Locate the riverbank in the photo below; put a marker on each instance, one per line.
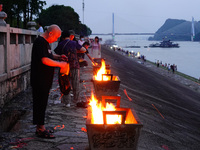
(182, 78)
(177, 76)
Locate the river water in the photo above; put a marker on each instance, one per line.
(187, 57)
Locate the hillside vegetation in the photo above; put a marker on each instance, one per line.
(177, 30)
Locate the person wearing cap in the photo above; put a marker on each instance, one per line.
(43, 63)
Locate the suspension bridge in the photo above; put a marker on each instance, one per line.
(123, 33)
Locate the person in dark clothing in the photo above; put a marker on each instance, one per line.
(42, 71)
(158, 63)
(81, 56)
(172, 67)
(66, 33)
(70, 49)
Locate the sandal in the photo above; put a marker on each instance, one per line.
(44, 134)
(50, 131)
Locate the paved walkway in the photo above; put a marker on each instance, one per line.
(69, 123)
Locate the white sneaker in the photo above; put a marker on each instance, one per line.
(68, 105)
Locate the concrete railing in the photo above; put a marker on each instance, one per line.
(15, 58)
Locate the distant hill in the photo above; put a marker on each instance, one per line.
(177, 30)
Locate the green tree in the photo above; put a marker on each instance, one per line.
(35, 7)
(84, 30)
(8, 7)
(19, 11)
(65, 17)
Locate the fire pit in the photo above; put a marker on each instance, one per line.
(103, 134)
(106, 87)
(105, 84)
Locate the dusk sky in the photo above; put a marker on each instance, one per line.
(140, 16)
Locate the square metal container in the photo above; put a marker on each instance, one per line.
(107, 88)
(123, 136)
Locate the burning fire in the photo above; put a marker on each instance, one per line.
(101, 71)
(97, 113)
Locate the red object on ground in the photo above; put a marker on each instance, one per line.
(127, 95)
(83, 129)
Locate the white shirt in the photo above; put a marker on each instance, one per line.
(40, 29)
(80, 42)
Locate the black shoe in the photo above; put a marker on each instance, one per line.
(82, 104)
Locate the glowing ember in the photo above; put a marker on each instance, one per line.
(165, 147)
(59, 127)
(127, 95)
(97, 113)
(20, 143)
(158, 111)
(83, 129)
(101, 71)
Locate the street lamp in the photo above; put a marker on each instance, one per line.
(83, 11)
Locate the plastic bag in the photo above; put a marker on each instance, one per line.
(64, 83)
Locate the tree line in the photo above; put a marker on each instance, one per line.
(20, 12)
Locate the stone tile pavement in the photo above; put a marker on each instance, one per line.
(69, 123)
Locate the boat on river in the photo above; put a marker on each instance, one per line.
(132, 46)
(165, 44)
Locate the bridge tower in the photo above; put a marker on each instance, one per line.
(83, 10)
(113, 25)
(192, 30)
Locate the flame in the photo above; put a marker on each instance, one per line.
(97, 113)
(94, 63)
(101, 71)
